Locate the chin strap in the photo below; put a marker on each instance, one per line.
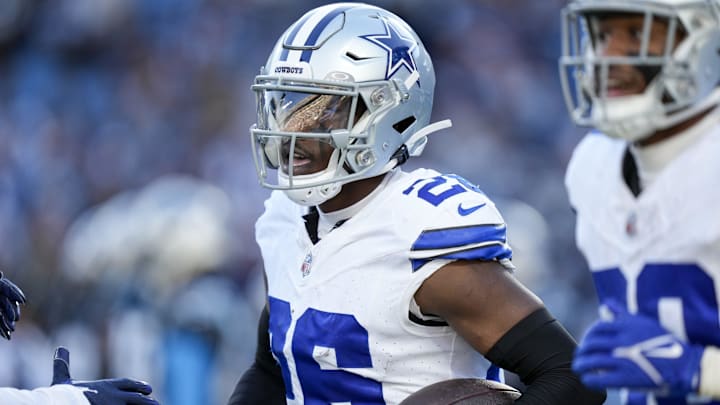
(415, 145)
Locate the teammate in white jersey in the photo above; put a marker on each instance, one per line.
(646, 189)
(380, 282)
(64, 390)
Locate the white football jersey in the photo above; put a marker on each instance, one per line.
(339, 309)
(658, 253)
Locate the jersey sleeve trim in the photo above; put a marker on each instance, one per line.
(416, 316)
(478, 242)
(459, 236)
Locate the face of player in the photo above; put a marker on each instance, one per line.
(312, 114)
(621, 35)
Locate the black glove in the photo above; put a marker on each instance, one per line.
(116, 391)
(10, 299)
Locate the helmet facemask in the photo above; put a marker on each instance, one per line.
(669, 58)
(317, 136)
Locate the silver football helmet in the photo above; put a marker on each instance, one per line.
(357, 81)
(682, 81)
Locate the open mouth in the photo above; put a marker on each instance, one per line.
(619, 87)
(623, 80)
(617, 91)
(300, 158)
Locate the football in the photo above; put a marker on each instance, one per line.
(464, 391)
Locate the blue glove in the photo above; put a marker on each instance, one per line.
(116, 391)
(635, 352)
(10, 299)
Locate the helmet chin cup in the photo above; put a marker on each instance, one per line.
(628, 117)
(315, 188)
(312, 196)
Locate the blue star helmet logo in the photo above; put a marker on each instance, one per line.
(399, 48)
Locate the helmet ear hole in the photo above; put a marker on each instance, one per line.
(402, 125)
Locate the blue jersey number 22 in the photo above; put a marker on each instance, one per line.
(332, 332)
(435, 190)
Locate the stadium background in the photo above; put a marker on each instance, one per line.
(128, 193)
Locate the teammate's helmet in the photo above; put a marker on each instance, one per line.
(349, 74)
(682, 81)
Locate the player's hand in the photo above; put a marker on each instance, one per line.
(10, 299)
(634, 351)
(116, 391)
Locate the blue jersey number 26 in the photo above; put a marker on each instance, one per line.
(340, 334)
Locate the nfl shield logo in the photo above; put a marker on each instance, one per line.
(305, 268)
(631, 225)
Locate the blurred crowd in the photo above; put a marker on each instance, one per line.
(128, 192)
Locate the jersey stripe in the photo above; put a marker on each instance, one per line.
(494, 374)
(308, 29)
(491, 251)
(315, 33)
(458, 237)
(291, 37)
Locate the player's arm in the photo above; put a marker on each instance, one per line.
(114, 391)
(636, 352)
(56, 395)
(66, 391)
(506, 322)
(262, 383)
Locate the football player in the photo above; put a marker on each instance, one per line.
(380, 281)
(64, 390)
(645, 186)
